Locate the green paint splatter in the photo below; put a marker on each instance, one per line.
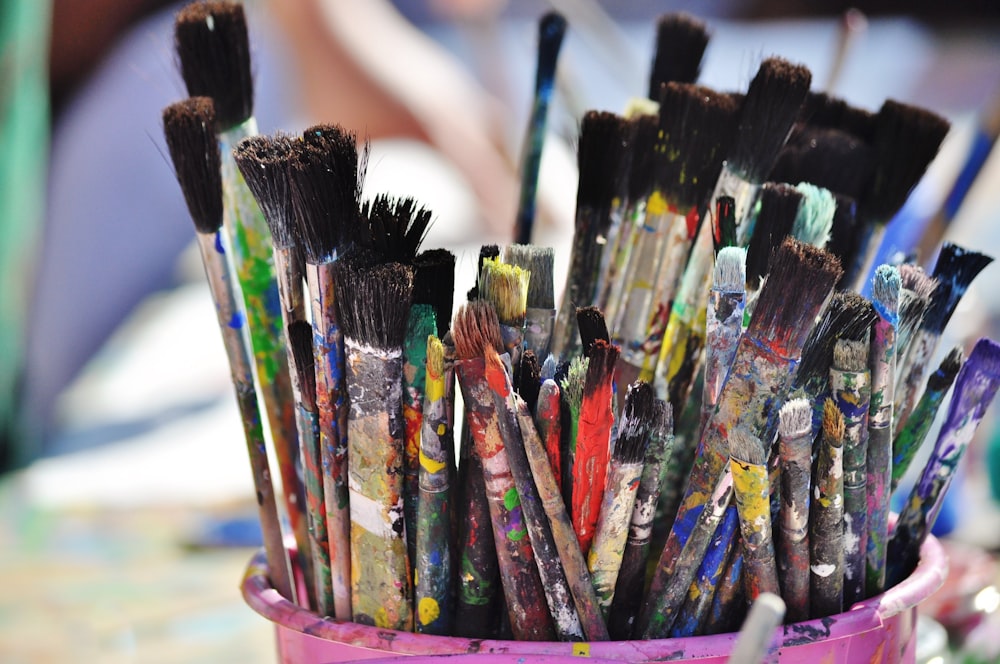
(511, 499)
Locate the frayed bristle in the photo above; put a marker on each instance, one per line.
(885, 293)
(373, 302)
(300, 339)
(571, 385)
(848, 316)
(323, 175)
(916, 280)
(189, 129)
(955, 269)
(779, 206)
(827, 158)
(539, 261)
(795, 418)
(696, 129)
(475, 330)
(942, 379)
(506, 287)
(769, 110)
(485, 251)
(642, 156)
(730, 270)
(214, 54)
(907, 139)
(263, 162)
(592, 326)
(815, 216)
(680, 45)
(434, 284)
(396, 227)
(529, 379)
(849, 355)
(601, 160)
(746, 447)
(638, 416)
(833, 424)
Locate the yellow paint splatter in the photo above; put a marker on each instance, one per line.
(656, 204)
(428, 610)
(382, 618)
(429, 464)
(581, 650)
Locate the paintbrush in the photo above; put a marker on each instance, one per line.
(434, 284)
(906, 140)
(752, 491)
(767, 114)
(551, 29)
(540, 310)
(882, 364)
(214, 55)
(850, 387)
(600, 158)
(766, 356)
(394, 228)
(729, 603)
(724, 324)
(434, 588)
(592, 325)
(624, 473)
(914, 302)
(632, 573)
(826, 516)
(558, 596)
(975, 388)
(724, 224)
(572, 559)
(681, 40)
(476, 330)
(795, 435)
(955, 269)
(826, 157)
(506, 288)
(844, 233)
(753, 642)
(823, 110)
(909, 438)
(485, 251)
(189, 130)
(548, 421)
(571, 382)
(779, 206)
(373, 304)
(323, 174)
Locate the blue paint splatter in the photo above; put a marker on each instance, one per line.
(236, 321)
(218, 242)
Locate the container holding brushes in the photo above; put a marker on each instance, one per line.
(622, 488)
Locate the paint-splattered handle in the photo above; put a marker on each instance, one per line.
(752, 491)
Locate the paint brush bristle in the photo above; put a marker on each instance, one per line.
(946, 372)
(642, 146)
(885, 293)
(638, 415)
(906, 140)
(955, 269)
(300, 338)
(592, 326)
(601, 362)
(263, 161)
(851, 355)
(769, 110)
(680, 44)
(529, 379)
(549, 367)
(844, 232)
(396, 227)
(601, 158)
(571, 385)
(475, 329)
(779, 206)
(485, 251)
(323, 176)
(189, 128)
(815, 216)
(795, 418)
(848, 316)
(434, 284)
(214, 54)
(506, 287)
(730, 270)
(828, 158)
(833, 423)
(539, 261)
(746, 447)
(373, 302)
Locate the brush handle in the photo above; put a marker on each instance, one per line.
(793, 544)
(610, 298)
(882, 360)
(590, 459)
(752, 490)
(729, 605)
(585, 256)
(548, 421)
(826, 538)
(605, 557)
(911, 436)
(911, 373)
(328, 353)
(724, 325)
(231, 324)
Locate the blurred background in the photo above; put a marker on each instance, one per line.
(124, 472)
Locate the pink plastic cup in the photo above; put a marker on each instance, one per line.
(881, 630)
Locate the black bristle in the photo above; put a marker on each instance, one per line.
(769, 110)
(263, 161)
(844, 232)
(373, 302)
(601, 160)
(724, 223)
(849, 316)
(680, 45)
(476, 328)
(827, 158)
(945, 374)
(602, 357)
(906, 140)
(323, 176)
(798, 285)
(529, 379)
(539, 261)
(826, 111)
(641, 156)
(434, 284)
(638, 417)
(485, 251)
(300, 339)
(189, 128)
(779, 204)
(396, 227)
(954, 270)
(592, 327)
(214, 54)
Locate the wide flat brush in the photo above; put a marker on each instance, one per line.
(189, 130)
(214, 55)
(434, 284)
(681, 40)
(551, 29)
(506, 288)
(830, 158)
